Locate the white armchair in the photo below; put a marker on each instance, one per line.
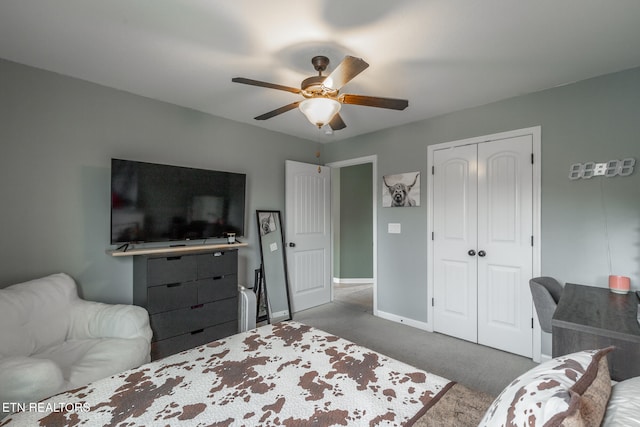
(52, 341)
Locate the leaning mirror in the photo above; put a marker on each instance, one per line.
(274, 265)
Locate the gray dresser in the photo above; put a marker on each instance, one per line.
(191, 298)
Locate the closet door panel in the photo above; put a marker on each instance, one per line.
(505, 227)
(455, 271)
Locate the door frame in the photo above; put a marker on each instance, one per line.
(536, 134)
(373, 159)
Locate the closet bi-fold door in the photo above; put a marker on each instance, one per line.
(482, 243)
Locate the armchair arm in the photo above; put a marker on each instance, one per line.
(28, 379)
(98, 320)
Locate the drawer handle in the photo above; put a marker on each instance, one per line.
(173, 258)
(199, 331)
(174, 285)
(218, 253)
(218, 277)
(194, 307)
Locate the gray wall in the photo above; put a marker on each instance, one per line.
(58, 135)
(594, 120)
(356, 222)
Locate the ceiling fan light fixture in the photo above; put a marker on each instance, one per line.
(319, 111)
(322, 98)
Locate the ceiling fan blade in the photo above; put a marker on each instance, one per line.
(278, 111)
(337, 123)
(264, 84)
(374, 101)
(344, 72)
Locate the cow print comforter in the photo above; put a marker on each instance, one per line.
(286, 374)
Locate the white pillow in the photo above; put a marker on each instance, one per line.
(552, 392)
(623, 409)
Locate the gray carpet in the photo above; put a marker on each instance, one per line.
(475, 366)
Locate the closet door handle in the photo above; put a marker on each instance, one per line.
(471, 252)
(482, 253)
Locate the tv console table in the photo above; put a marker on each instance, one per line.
(173, 249)
(190, 292)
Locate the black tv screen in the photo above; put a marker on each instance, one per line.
(157, 203)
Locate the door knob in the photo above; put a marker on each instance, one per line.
(292, 245)
(471, 252)
(482, 253)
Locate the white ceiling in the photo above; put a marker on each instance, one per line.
(441, 55)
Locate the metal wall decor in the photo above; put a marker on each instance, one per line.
(608, 169)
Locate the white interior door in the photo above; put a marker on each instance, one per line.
(308, 233)
(505, 230)
(454, 215)
(482, 243)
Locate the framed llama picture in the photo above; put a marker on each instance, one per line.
(401, 190)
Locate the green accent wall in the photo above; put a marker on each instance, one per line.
(356, 222)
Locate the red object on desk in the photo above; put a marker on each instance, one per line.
(619, 284)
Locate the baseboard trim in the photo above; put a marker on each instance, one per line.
(545, 358)
(398, 319)
(352, 281)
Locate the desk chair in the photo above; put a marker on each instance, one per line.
(546, 292)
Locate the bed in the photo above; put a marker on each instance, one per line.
(285, 374)
(291, 374)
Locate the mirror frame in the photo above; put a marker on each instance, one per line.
(273, 224)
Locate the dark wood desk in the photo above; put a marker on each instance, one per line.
(588, 317)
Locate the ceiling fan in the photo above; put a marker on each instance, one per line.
(322, 99)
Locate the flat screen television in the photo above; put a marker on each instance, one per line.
(160, 203)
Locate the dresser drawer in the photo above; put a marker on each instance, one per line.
(170, 297)
(163, 348)
(217, 264)
(162, 271)
(176, 322)
(217, 288)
